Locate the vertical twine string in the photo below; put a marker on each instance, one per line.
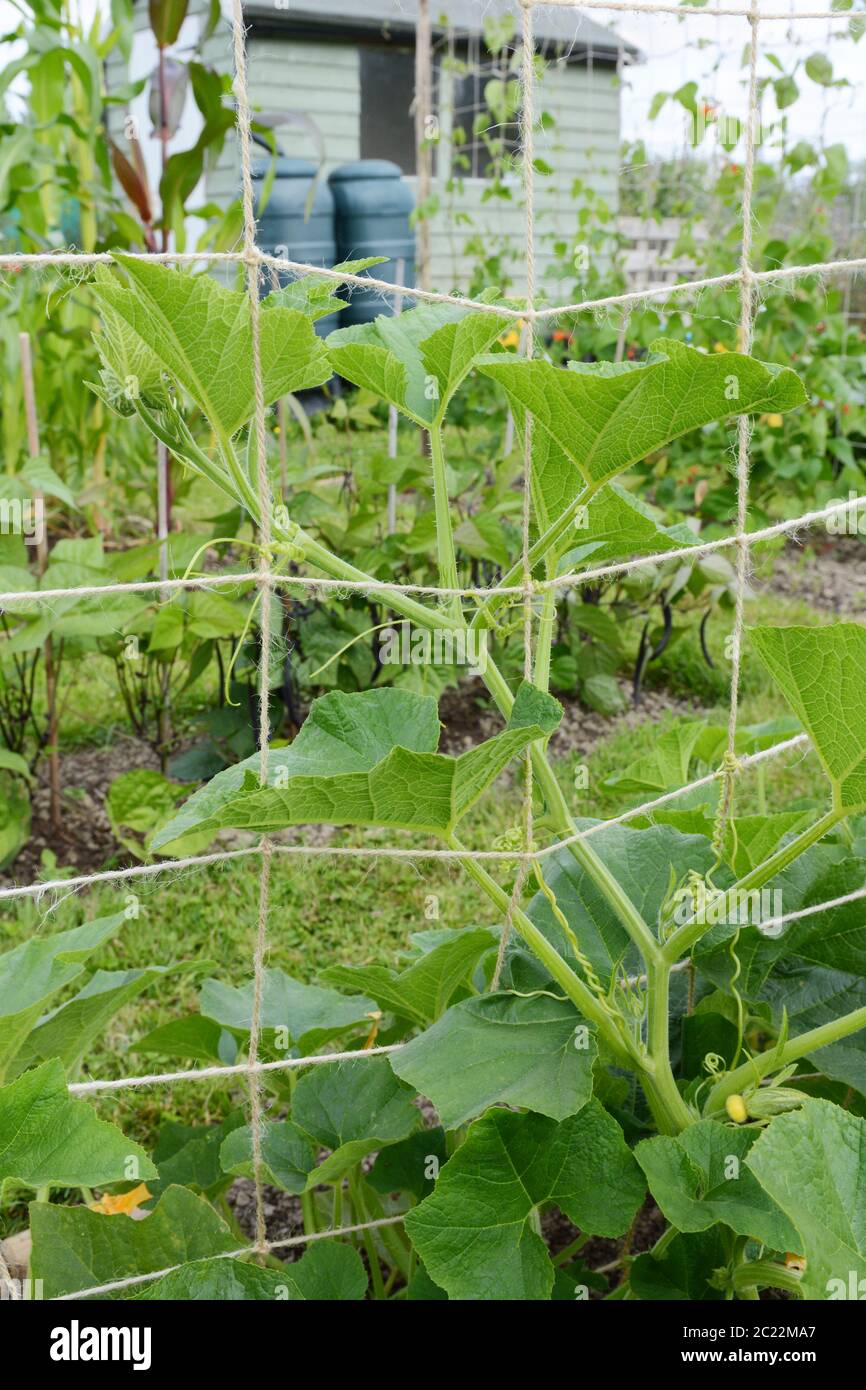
(744, 431)
(264, 494)
(527, 119)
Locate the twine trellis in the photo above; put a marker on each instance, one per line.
(532, 315)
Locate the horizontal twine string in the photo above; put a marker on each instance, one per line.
(724, 11)
(570, 580)
(23, 259)
(197, 861)
(158, 1078)
(766, 926)
(260, 1247)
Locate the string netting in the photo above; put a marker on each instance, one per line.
(529, 593)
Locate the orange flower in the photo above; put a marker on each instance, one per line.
(123, 1203)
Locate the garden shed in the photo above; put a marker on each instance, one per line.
(343, 74)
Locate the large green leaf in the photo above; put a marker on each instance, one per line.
(70, 1030)
(219, 1281)
(75, 1248)
(416, 360)
(809, 997)
(46, 1139)
(700, 1178)
(130, 369)
(352, 1108)
(683, 1271)
(368, 759)
(327, 1272)
(195, 1037)
(411, 1165)
(666, 766)
(615, 523)
(287, 1154)
(603, 417)
(32, 972)
(835, 939)
(201, 333)
(475, 1233)
(310, 1015)
(506, 1048)
(810, 1162)
(424, 990)
(189, 1155)
(821, 671)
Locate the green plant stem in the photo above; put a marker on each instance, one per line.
(308, 1212)
(485, 615)
(392, 1237)
(570, 1250)
(579, 850)
(579, 994)
(546, 623)
(671, 1112)
(367, 1237)
(682, 940)
(764, 1274)
(757, 1067)
(444, 533)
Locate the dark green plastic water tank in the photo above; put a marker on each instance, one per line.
(289, 228)
(372, 204)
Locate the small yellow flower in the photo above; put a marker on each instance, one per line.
(719, 347)
(774, 421)
(512, 337)
(123, 1203)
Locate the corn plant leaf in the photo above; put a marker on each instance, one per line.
(287, 1154)
(502, 1048)
(327, 1272)
(31, 973)
(201, 333)
(75, 1248)
(368, 759)
(48, 1139)
(603, 417)
(700, 1178)
(810, 1163)
(508, 1165)
(417, 360)
(821, 671)
(424, 990)
(310, 1015)
(70, 1030)
(352, 1108)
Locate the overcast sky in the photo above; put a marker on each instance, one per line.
(709, 50)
